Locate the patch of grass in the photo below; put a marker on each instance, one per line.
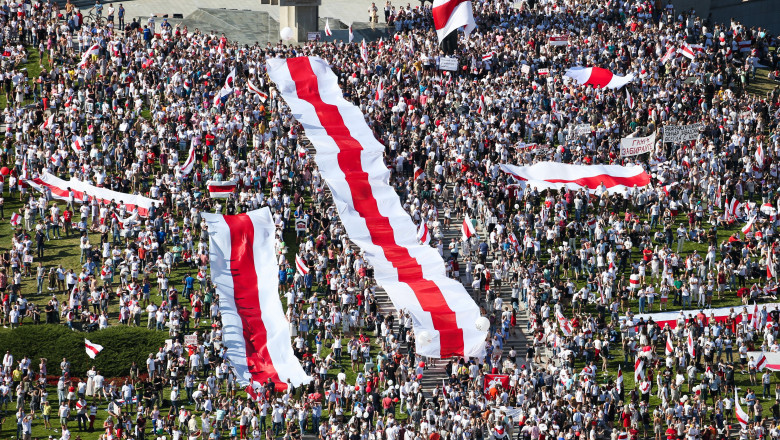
(762, 85)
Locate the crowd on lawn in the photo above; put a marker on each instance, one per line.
(147, 98)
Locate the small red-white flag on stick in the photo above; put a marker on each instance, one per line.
(92, 348)
(351, 35)
(629, 99)
(691, 346)
(669, 347)
(327, 28)
(364, 51)
(15, 219)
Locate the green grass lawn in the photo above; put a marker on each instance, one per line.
(762, 85)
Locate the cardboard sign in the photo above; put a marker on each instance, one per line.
(300, 225)
(448, 63)
(634, 146)
(682, 133)
(190, 339)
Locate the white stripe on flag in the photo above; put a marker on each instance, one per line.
(255, 329)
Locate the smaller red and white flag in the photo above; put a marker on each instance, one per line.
(691, 346)
(301, 265)
(669, 347)
(92, 348)
(327, 28)
(221, 190)
(686, 51)
(186, 167)
(15, 219)
(364, 51)
(380, 91)
(760, 156)
(487, 57)
(639, 369)
(94, 50)
(742, 416)
(78, 144)
(645, 386)
(563, 323)
(423, 235)
(619, 381)
(749, 226)
(351, 35)
(629, 99)
(732, 207)
(754, 320)
(467, 229)
(256, 90)
(418, 173)
(771, 264)
(668, 55)
(48, 123)
(761, 362)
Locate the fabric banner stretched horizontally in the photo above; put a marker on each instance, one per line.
(221, 190)
(351, 161)
(720, 314)
(255, 329)
(552, 175)
(59, 191)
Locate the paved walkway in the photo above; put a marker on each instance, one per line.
(248, 21)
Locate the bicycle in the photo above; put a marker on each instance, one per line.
(96, 19)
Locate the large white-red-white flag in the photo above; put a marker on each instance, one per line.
(351, 161)
(598, 77)
(254, 327)
(221, 190)
(450, 15)
(614, 179)
(92, 348)
(58, 189)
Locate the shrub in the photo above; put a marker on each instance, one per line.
(121, 346)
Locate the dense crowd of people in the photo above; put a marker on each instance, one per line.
(147, 97)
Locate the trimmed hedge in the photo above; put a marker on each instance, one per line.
(121, 346)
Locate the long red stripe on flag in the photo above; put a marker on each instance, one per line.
(349, 159)
(92, 349)
(600, 77)
(247, 300)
